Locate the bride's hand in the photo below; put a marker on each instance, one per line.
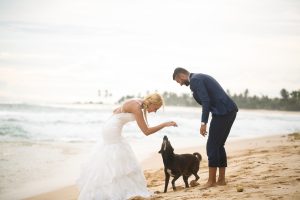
(171, 123)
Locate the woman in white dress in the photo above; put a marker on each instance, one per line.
(113, 172)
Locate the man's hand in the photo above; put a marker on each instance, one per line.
(203, 130)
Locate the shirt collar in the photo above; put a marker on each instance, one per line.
(189, 77)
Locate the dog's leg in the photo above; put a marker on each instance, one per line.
(196, 176)
(185, 179)
(167, 178)
(173, 182)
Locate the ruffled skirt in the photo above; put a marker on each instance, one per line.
(112, 173)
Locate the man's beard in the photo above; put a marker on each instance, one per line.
(187, 83)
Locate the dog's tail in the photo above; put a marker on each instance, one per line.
(199, 157)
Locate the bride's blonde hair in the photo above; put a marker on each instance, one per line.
(153, 98)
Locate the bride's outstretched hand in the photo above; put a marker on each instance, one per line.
(171, 123)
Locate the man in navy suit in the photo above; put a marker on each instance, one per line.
(209, 93)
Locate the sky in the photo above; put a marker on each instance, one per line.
(69, 50)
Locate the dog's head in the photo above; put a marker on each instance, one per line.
(166, 147)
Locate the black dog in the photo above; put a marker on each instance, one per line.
(177, 165)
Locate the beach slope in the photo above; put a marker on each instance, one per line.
(259, 168)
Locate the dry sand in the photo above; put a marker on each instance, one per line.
(260, 168)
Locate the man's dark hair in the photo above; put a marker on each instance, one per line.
(179, 70)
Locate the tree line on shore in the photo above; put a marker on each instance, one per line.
(288, 101)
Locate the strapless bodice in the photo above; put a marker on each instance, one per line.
(111, 131)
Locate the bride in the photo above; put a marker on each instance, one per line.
(112, 172)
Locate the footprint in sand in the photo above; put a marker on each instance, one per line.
(205, 194)
(254, 186)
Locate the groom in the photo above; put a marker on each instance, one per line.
(209, 93)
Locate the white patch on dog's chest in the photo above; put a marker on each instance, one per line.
(170, 172)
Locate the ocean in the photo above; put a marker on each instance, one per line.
(43, 146)
(80, 123)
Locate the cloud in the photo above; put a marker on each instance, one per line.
(73, 48)
(2, 84)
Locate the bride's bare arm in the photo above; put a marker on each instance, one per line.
(137, 111)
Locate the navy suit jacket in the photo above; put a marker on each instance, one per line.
(209, 93)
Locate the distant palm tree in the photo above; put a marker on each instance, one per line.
(284, 94)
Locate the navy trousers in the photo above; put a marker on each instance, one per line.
(219, 129)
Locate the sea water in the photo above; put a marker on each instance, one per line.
(83, 122)
(44, 145)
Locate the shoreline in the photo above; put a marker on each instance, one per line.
(257, 163)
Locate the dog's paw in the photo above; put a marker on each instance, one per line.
(194, 183)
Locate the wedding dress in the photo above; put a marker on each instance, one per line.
(112, 172)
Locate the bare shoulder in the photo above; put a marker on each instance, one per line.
(132, 105)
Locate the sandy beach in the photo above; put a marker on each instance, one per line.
(259, 168)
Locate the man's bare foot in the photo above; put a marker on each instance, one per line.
(221, 182)
(209, 184)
